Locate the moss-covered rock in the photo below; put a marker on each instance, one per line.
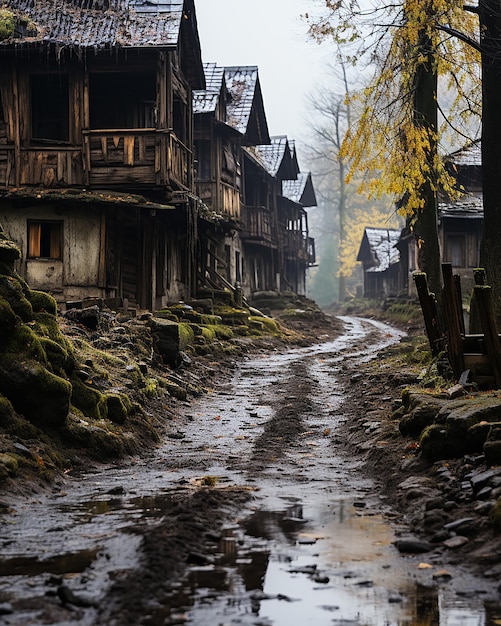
(495, 516)
(170, 339)
(118, 407)
(91, 402)
(99, 442)
(8, 318)
(12, 291)
(42, 302)
(7, 24)
(40, 396)
(437, 442)
(9, 463)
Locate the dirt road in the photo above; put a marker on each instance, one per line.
(248, 513)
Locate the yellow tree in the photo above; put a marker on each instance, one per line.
(397, 135)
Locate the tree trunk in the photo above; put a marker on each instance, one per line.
(426, 117)
(342, 224)
(490, 252)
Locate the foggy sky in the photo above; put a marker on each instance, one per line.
(271, 35)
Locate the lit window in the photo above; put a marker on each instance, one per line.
(44, 240)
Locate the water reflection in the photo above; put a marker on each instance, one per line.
(346, 572)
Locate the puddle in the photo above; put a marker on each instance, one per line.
(317, 549)
(343, 569)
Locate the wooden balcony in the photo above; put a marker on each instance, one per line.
(140, 156)
(46, 166)
(220, 197)
(118, 158)
(258, 225)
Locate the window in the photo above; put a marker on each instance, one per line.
(44, 240)
(202, 149)
(122, 100)
(50, 107)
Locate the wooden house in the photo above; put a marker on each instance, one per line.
(298, 248)
(265, 167)
(380, 260)
(96, 137)
(460, 222)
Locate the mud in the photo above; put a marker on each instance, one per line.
(257, 508)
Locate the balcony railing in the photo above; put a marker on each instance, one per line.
(220, 197)
(116, 158)
(258, 224)
(46, 166)
(141, 156)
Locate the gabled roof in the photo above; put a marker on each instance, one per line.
(205, 100)
(300, 190)
(379, 245)
(245, 109)
(277, 158)
(104, 24)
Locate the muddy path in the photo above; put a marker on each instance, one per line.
(248, 513)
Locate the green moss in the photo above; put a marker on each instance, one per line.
(101, 443)
(223, 332)
(209, 332)
(23, 342)
(37, 394)
(8, 318)
(12, 290)
(42, 302)
(118, 407)
(186, 335)
(10, 463)
(91, 402)
(7, 24)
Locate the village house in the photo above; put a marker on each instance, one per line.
(380, 261)
(130, 171)
(229, 114)
(96, 134)
(460, 222)
(298, 247)
(256, 231)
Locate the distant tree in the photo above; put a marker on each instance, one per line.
(409, 46)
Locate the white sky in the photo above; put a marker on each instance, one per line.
(271, 35)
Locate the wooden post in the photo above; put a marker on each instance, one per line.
(479, 276)
(429, 309)
(491, 338)
(452, 320)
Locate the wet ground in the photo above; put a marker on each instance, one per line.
(298, 534)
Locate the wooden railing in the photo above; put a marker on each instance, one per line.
(141, 156)
(258, 224)
(220, 197)
(116, 158)
(48, 166)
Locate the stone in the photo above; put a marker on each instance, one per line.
(455, 542)
(413, 546)
(462, 523)
(170, 339)
(480, 480)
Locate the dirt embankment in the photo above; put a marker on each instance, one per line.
(450, 506)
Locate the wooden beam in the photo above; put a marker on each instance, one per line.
(452, 317)
(483, 296)
(429, 309)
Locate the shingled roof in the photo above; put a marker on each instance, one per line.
(205, 100)
(277, 158)
(380, 244)
(105, 24)
(300, 190)
(245, 109)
